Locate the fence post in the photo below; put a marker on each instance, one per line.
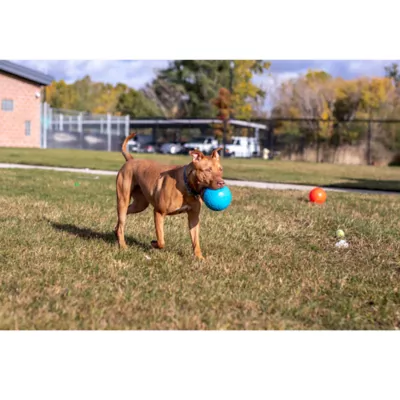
(80, 117)
(61, 117)
(108, 131)
(369, 152)
(257, 146)
(271, 140)
(50, 113)
(126, 125)
(80, 130)
(44, 138)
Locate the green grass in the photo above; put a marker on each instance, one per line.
(366, 177)
(271, 261)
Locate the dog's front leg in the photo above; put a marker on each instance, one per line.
(194, 228)
(159, 223)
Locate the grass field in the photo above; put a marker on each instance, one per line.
(365, 177)
(271, 261)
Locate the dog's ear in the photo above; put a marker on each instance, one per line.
(215, 153)
(197, 155)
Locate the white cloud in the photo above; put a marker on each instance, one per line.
(370, 68)
(133, 73)
(343, 68)
(136, 73)
(139, 72)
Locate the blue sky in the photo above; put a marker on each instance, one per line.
(138, 73)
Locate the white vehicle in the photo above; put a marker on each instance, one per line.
(242, 146)
(205, 144)
(171, 148)
(138, 143)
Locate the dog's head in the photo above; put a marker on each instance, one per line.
(207, 169)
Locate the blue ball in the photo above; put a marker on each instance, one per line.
(217, 200)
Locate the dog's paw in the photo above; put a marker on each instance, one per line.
(155, 245)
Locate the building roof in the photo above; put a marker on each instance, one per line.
(175, 123)
(24, 72)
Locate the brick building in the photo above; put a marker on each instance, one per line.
(20, 103)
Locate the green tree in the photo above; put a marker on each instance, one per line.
(200, 80)
(100, 98)
(107, 100)
(392, 71)
(168, 97)
(136, 105)
(59, 95)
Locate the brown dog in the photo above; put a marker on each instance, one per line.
(171, 190)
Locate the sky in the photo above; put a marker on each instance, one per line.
(137, 73)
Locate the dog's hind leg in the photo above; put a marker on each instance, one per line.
(124, 188)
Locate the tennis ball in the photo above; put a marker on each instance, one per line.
(339, 233)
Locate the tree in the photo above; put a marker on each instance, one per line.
(246, 94)
(310, 97)
(223, 104)
(392, 72)
(136, 105)
(100, 98)
(200, 80)
(60, 95)
(169, 98)
(107, 100)
(338, 102)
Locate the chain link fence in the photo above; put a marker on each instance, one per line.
(76, 130)
(356, 142)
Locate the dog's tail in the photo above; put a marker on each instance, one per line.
(124, 151)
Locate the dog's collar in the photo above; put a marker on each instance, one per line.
(188, 188)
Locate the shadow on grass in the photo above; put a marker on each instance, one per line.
(89, 234)
(368, 184)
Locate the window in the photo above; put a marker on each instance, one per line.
(27, 128)
(7, 105)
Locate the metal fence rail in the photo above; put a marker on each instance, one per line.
(344, 142)
(78, 130)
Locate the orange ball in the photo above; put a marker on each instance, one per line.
(317, 195)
